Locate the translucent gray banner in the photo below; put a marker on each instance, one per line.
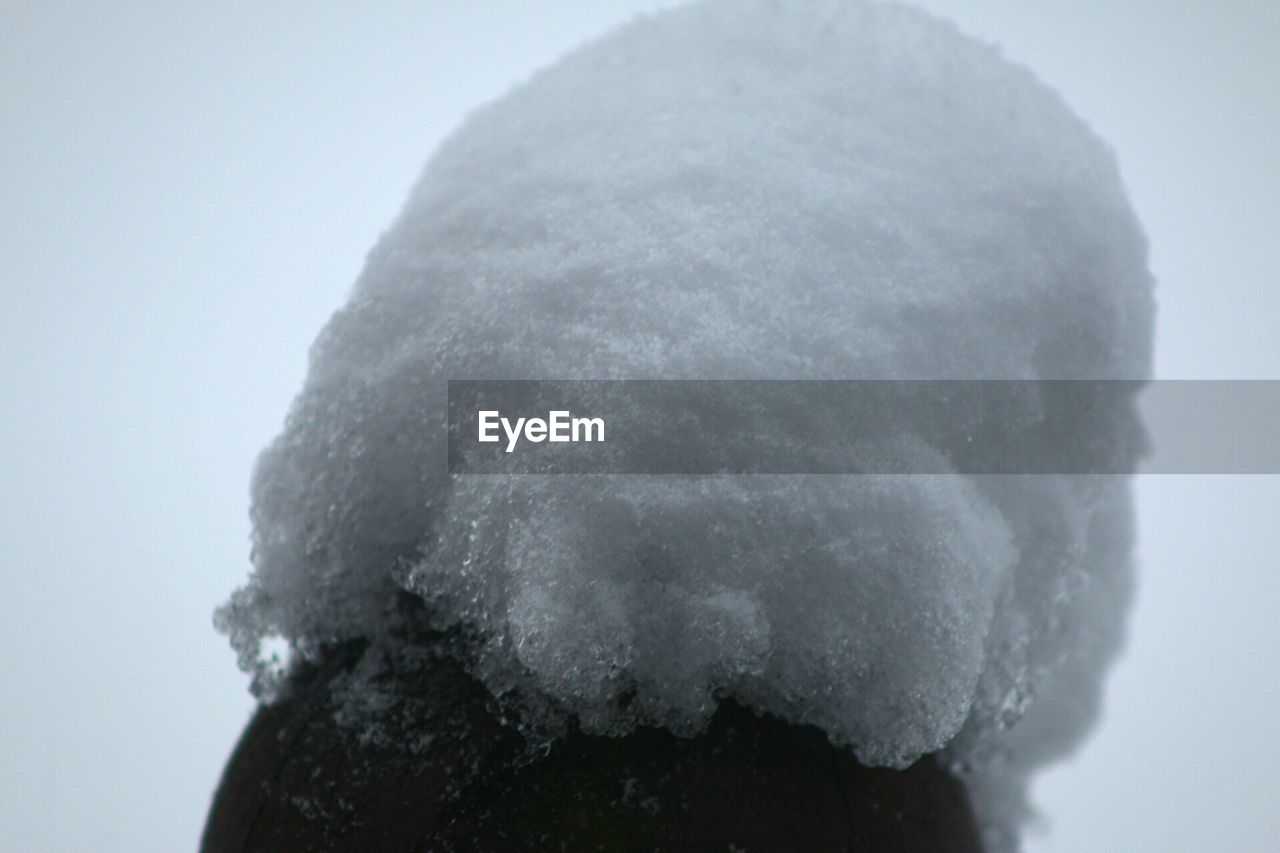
(974, 427)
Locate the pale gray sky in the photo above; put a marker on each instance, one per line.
(189, 191)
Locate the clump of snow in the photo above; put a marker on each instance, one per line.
(749, 190)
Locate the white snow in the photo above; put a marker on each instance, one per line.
(734, 190)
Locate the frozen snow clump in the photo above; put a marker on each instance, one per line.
(821, 189)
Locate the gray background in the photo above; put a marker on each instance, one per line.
(186, 194)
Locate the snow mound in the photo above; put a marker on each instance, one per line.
(733, 190)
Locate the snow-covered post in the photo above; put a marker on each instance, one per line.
(802, 189)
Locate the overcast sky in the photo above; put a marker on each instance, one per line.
(187, 191)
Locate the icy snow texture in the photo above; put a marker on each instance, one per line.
(734, 190)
